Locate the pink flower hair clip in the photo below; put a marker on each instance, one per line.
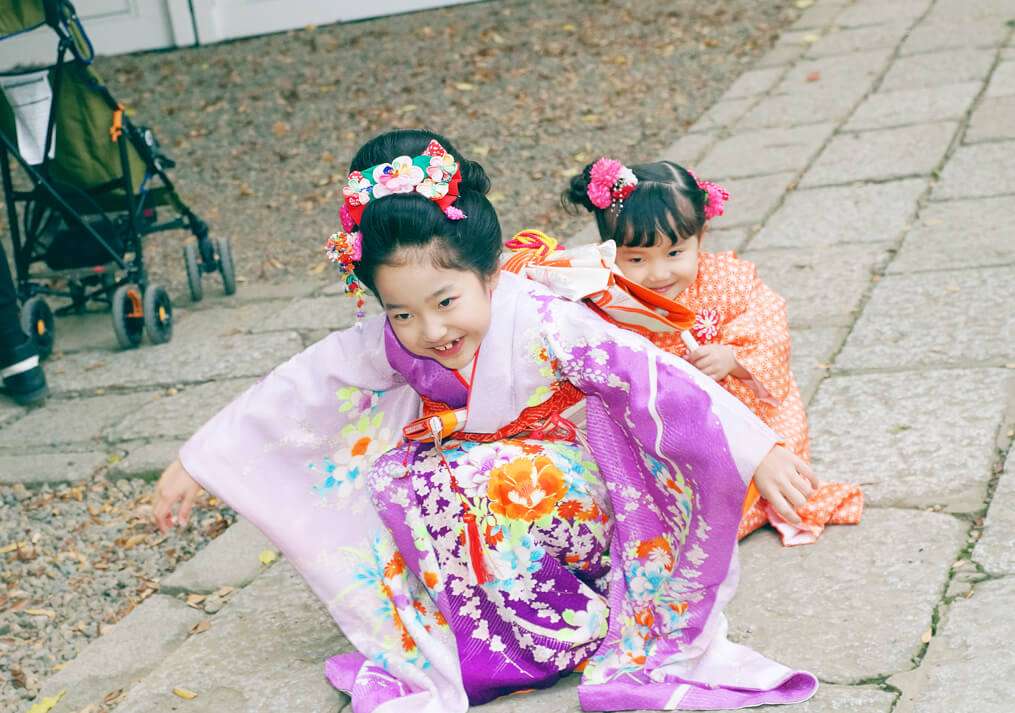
(715, 196)
(610, 182)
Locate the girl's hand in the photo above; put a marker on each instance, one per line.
(175, 485)
(785, 481)
(715, 360)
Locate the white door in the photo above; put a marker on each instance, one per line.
(218, 20)
(114, 26)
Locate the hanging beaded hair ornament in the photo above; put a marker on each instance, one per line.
(434, 175)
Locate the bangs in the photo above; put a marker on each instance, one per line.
(650, 212)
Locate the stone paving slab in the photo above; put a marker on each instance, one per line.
(722, 113)
(39, 468)
(230, 560)
(881, 155)
(854, 605)
(10, 411)
(936, 68)
(754, 82)
(848, 39)
(839, 699)
(859, 69)
(716, 241)
(819, 15)
(687, 150)
(209, 324)
(1002, 81)
(781, 56)
(924, 319)
(62, 423)
(274, 634)
(913, 439)
(822, 285)
(175, 363)
(995, 551)
(969, 662)
(751, 199)
(859, 213)
(993, 120)
(978, 170)
(871, 12)
(959, 234)
(144, 460)
(330, 312)
(914, 106)
(811, 354)
(827, 102)
(124, 654)
(178, 416)
(934, 36)
(755, 153)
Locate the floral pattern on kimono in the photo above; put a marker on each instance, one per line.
(616, 546)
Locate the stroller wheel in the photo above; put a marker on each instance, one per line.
(128, 316)
(193, 272)
(158, 314)
(226, 267)
(37, 323)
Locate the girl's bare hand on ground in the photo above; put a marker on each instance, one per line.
(175, 486)
(785, 481)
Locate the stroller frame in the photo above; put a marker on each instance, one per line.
(46, 205)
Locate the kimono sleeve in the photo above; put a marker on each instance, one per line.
(760, 338)
(295, 447)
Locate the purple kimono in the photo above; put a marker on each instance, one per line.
(472, 568)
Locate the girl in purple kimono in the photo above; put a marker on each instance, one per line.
(488, 485)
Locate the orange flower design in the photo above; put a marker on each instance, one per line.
(526, 489)
(656, 548)
(395, 566)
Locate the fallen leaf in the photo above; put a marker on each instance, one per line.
(200, 627)
(48, 613)
(280, 128)
(135, 540)
(804, 4)
(224, 591)
(927, 636)
(464, 86)
(46, 704)
(113, 696)
(194, 599)
(184, 694)
(268, 556)
(813, 76)
(11, 547)
(810, 38)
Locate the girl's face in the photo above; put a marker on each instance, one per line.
(436, 312)
(668, 268)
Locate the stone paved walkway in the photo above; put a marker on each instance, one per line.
(871, 158)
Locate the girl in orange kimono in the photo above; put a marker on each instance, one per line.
(656, 214)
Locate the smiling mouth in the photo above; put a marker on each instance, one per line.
(450, 348)
(664, 289)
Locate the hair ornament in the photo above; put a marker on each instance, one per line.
(434, 175)
(345, 249)
(610, 182)
(715, 196)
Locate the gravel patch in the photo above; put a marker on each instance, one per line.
(74, 560)
(263, 129)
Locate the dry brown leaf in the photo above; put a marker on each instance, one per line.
(280, 128)
(927, 636)
(113, 696)
(185, 694)
(200, 627)
(48, 613)
(194, 599)
(224, 591)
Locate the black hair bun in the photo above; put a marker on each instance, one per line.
(474, 177)
(577, 192)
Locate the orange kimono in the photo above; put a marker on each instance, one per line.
(733, 306)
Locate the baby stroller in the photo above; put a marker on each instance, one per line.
(96, 183)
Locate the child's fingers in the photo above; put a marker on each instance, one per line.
(185, 507)
(802, 484)
(787, 512)
(163, 513)
(805, 470)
